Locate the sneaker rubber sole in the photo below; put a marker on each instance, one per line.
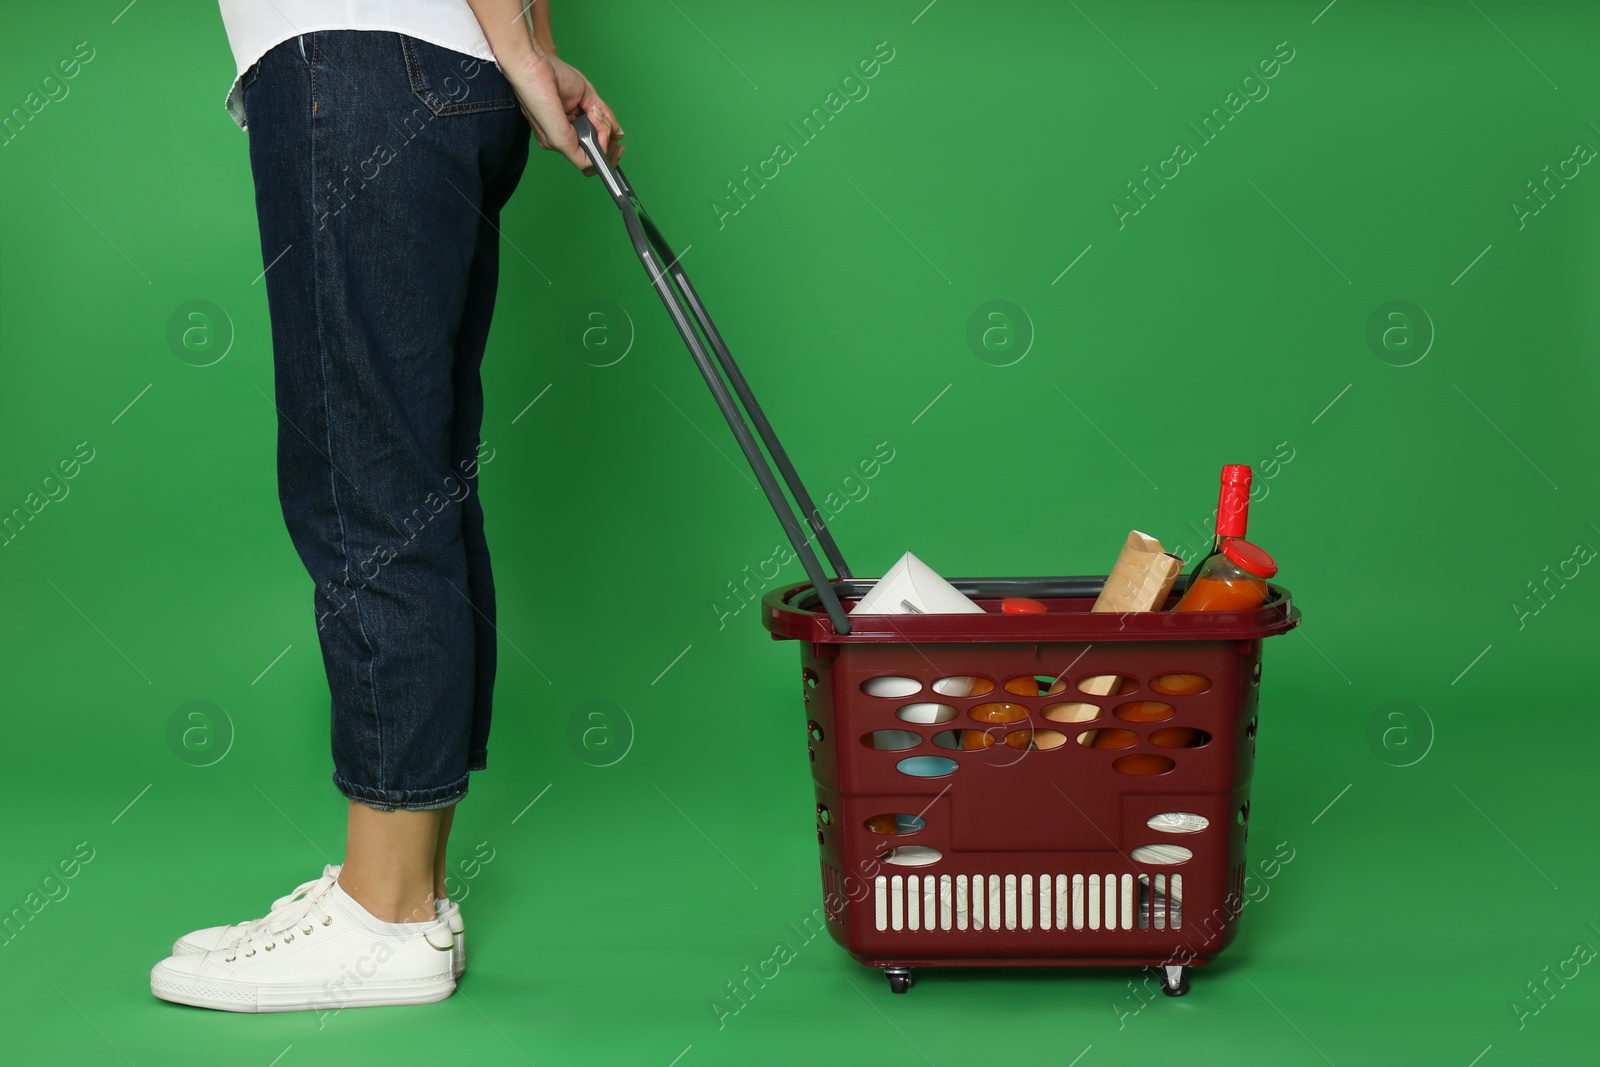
(248, 997)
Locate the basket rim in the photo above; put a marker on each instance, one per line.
(794, 612)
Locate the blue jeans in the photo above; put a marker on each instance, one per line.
(381, 164)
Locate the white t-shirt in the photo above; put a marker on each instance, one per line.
(255, 26)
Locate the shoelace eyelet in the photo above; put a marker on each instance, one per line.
(287, 938)
(327, 920)
(228, 959)
(270, 945)
(252, 952)
(306, 931)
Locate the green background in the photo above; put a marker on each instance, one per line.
(1226, 322)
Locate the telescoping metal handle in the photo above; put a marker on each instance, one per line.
(684, 305)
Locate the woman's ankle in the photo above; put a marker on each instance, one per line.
(388, 902)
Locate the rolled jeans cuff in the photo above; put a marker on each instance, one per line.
(404, 799)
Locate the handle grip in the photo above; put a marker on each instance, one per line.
(589, 138)
(699, 333)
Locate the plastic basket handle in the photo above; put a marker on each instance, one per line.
(683, 304)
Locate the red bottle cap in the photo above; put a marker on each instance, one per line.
(1021, 605)
(1233, 510)
(1249, 558)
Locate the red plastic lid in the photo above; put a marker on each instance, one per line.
(1021, 605)
(1233, 513)
(1249, 557)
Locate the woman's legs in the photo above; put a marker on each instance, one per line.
(394, 861)
(447, 816)
(381, 165)
(390, 861)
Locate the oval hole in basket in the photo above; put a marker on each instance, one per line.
(891, 686)
(1070, 712)
(912, 856)
(1144, 711)
(1108, 738)
(891, 740)
(897, 823)
(1178, 822)
(927, 766)
(1032, 685)
(1155, 854)
(926, 714)
(966, 740)
(963, 686)
(1179, 737)
(824, 816)
(1142, 763)
(1001, 713)
(1036, 739)
(1107, 684)
(1180, 685)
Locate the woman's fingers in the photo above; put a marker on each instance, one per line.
(608, 128)
(538, 134)
(602, 115)
(566, 142)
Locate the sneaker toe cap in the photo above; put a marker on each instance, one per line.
(200, 941)
(187, 965)
(185, 980)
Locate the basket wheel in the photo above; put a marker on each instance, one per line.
(1174, 981)
(900, 978)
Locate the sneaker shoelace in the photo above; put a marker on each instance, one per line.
(301, 913)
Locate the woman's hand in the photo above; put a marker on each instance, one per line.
(552, 93)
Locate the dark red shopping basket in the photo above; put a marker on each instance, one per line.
(964, 816)
(1061, 789)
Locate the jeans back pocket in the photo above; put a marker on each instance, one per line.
(454, 83)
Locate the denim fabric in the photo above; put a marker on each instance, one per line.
(381, 163)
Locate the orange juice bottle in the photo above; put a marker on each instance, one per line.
(1234, 579)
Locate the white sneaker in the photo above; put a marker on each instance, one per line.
(320, 951)
(201, 941)
(450, 911)
(214, 936)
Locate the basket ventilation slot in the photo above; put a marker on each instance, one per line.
(1041, 902)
